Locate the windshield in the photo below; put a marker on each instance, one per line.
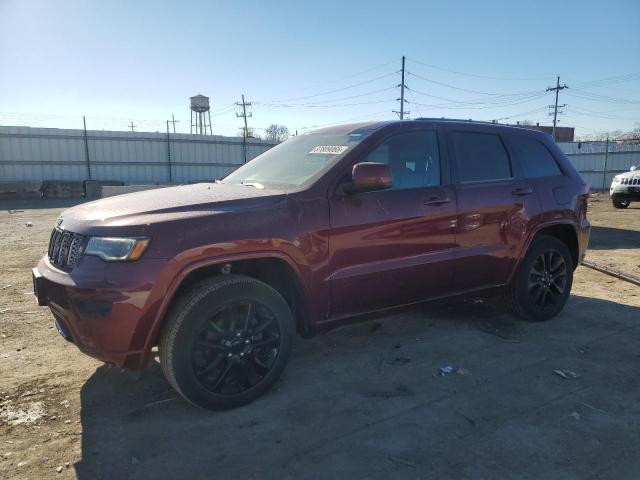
(297, 162)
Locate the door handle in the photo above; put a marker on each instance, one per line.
(436, 201)
(520, 192)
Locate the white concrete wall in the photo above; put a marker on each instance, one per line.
(131, 157)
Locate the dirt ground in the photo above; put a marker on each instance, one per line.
(615, 235)
(365, 401)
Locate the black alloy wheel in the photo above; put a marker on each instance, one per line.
(226, 341)
(547, 278)
(237, 347)
(541, 285)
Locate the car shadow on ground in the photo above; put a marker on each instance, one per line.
(606, 238)
(367, 400)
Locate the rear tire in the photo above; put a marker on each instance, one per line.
(542, 284)
(620, 203)
(226, 341)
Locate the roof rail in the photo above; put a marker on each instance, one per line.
(469, 120)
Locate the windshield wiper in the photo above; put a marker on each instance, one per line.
(257, 185)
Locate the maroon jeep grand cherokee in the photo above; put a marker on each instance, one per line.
(323, 227)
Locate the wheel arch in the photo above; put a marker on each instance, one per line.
(563, 231)
(567, 234)
(275, 269)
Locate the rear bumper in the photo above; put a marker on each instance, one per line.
(105, 309)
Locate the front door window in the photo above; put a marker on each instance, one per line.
(413, 158)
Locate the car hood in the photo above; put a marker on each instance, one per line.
(143, 209)
(629, 174)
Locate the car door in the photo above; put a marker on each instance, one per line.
(554, 189)
(494, 207)
(395, 246)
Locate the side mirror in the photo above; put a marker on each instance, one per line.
(369, 176)
(633, 168)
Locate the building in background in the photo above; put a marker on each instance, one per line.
(563, 134)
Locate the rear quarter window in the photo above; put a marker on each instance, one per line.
(534, 158)
(480, 157)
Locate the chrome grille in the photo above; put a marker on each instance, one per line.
(65, 248)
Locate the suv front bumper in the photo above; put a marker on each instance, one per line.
(106, 309)
(625, 192)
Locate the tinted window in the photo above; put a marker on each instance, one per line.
(535, 160)
(413, 159)
(480, 156)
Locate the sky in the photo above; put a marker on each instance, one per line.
(308, 64)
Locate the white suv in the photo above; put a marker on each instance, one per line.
(625, 188)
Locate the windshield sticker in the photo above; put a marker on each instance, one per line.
(330, 149)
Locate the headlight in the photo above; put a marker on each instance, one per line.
(112, 249)
(616, 179)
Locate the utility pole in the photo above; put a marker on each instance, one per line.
(604, 170)
(86, 147)
(557, 89)
(169, 155)
(132, 126)
(174, 121)
(401, 99)
(244, 115)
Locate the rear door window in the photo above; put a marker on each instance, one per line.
(534, 158)
(481, 157)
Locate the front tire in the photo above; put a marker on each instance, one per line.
(620, 203)
(542, 284)
(226, 341)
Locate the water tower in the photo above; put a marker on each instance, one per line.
(200, 107)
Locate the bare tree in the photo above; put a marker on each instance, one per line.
(632, 136)
(251, 133)
(276, 133)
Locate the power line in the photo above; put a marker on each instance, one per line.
(225, 111)
(223, 108)
(313, 105)
(521, 114)
(321, 102)
(609, 80)
(557, 89)
(351, 119)
(332, 91)
(450, 86)
(353, 74)
(555, 110)
(581, 112)
(601, 98)
(473, 74)
(488, 106)
(413, 101)
(494, 102)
